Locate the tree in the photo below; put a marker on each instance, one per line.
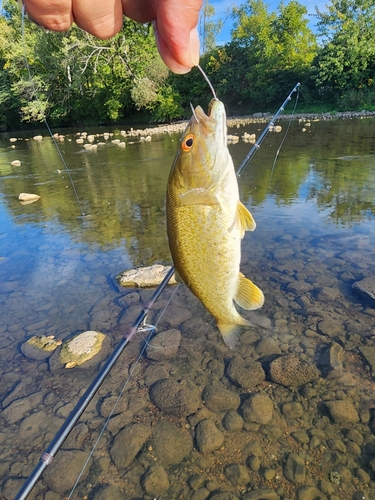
(277, 48)
(347, 59)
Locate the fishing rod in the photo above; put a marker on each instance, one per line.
(56, 443)
(262, 136)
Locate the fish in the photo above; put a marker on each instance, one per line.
(206, 222)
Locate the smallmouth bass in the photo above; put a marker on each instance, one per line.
(206, 222)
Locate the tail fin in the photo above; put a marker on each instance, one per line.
(230, 332)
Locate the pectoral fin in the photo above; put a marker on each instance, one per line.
(248, 295)
(230, 332)
(199, 196)
(244, 220)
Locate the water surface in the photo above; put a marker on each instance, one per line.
(315, 236)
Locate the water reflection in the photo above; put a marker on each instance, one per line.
(312, 438)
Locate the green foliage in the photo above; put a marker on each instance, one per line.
(347, 58)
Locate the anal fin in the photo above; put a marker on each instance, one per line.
(248, 295)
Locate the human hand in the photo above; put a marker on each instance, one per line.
(174, 22)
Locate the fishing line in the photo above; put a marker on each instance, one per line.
(283, 140)
(143, 328)
(263, 135)
(24, 15)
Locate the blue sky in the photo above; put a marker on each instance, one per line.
(221, 7)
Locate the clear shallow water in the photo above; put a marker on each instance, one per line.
(315, 237)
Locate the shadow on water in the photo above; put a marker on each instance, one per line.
(287, 414)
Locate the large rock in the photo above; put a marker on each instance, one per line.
(145, 276)
(164, 345)
(366, 289)
(368, 352)
(128, 443)
(246, 373)
(80, 350)
(291, 370)
(26, 198)
(170, 444)
(175, 398)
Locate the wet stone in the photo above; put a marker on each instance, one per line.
(39, 348)
(295, 469)
(16, 410)
(155, 481)
(292, 410)
(232, 421)
(145, 276)
(208, 437)
(217, 398)
(170, 444)
(164, 345)
(331, 361)
(175, 398)
(128, 443)
(246, 373)
(257, 408)
(267, 347)
(71, 462)
(331, 328)
(291, 370)
(238, 475)
(342, 412)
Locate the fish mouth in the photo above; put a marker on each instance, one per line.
(215, 121)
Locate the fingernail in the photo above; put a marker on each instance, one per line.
(194, 46)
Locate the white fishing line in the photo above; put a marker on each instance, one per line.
(145, 327)
(24, 16)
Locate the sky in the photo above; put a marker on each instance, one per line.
(221, 7)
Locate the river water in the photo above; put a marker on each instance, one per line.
(240, 425)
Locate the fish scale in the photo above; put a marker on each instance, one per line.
(206, 221)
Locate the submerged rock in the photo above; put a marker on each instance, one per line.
(145, 276)
(179, 399)
(164, 345)
(342, 412)
(257, 408)
(40, 347)
(170, 444)
(246, 373)
(71, 462)
(155, 481)
(366, 289)
(208, 437)
(79, 349)
(128, 443)
(291, 370)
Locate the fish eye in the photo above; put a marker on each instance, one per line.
(187, 143)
